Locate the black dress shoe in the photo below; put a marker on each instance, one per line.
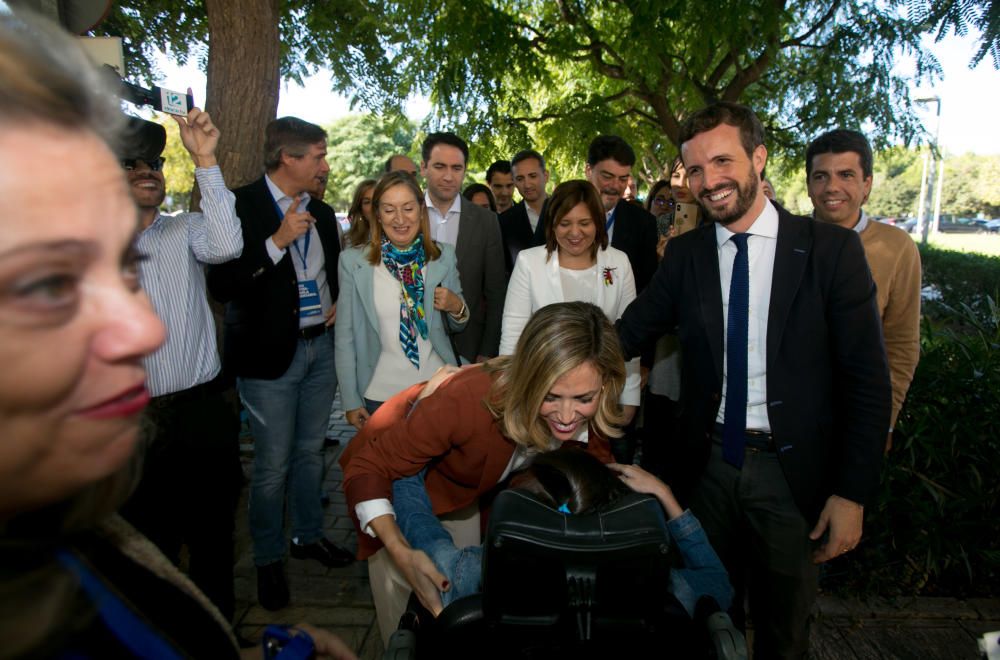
(331, 442)
(323, 551)
(272, 587)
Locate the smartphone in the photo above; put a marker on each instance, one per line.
(685, 217)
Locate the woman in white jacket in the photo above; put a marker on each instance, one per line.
(576, 263)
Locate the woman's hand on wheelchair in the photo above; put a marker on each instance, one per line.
(421, 573)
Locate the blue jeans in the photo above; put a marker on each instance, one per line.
(463, 567)
(288, 418)
(702, 575)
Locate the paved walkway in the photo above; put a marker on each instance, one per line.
(340, 600)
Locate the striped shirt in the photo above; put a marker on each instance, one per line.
(177, 247)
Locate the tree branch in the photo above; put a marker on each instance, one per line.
(799, 40)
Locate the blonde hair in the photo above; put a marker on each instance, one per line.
(391, 180)
(557, 339)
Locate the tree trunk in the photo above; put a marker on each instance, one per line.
(243, 82)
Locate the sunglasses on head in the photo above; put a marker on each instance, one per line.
(128, 164)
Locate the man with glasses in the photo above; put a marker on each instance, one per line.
(630, 227)
(191, 478)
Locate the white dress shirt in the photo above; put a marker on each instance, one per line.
(760, 246)
(315, 259)
(173, 275)
(444, 228)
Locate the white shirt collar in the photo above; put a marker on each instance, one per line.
(456, 205)
(766, 225)
(862, 223)
(278, 194)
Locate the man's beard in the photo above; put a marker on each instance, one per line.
(746, 194)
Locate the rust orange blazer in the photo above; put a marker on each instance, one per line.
(451, 431)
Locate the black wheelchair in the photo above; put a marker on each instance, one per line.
(570, 586)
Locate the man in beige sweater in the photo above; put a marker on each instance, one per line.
(839, 178)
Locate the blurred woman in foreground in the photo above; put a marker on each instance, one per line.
(76, 580)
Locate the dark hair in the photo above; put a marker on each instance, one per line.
(525, 154)
(498, 167)
(659, 185)
(289, 135)
(610, 146)
(360, 230)
(564, 198)
(434, 139)
(840, 141)
(572, 477)
(722, 112)
(474, 188)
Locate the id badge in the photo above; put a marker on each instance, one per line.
(309, 302)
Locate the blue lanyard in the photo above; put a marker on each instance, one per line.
(611, 219)
(129, 628)
(303, 252)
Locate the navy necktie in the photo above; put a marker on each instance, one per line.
(735, 418)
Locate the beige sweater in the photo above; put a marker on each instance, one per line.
(895, 264)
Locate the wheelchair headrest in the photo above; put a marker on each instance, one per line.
(540, 563)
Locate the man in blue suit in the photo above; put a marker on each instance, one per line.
(785, 386)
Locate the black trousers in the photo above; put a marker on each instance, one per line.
(763, 540)
(191, 485)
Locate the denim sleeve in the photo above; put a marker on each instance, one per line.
(703, 573)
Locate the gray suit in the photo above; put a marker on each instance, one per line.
(484, 281)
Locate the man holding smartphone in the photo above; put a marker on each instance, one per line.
(192, 477)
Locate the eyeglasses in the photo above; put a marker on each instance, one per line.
(660, 201)
(128, 164)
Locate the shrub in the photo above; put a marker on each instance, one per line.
(935, 528)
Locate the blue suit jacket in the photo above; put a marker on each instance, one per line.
(356, 339)
(828, 391)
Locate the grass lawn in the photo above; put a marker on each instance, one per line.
(988, 244)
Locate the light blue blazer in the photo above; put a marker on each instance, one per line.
(356, 336)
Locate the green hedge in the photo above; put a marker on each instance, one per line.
(935, 528)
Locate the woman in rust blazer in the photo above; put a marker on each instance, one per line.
(562, 384)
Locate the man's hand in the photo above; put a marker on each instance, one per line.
(357, 417)
(293, 225)
(327, 644)
(331, 316)
(628, 414)
(200, 137)
(481, 358)
(844, 519)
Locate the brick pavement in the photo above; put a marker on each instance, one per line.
(340, 599)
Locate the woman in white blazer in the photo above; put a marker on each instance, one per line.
(576, 263)
(395, 293)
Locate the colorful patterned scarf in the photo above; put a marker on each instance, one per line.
(407, 266)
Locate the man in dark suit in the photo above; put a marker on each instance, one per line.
(475, 233)
(501, 182)
(523, 226)
(281, 296)
(785, 393)
(631, 228)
